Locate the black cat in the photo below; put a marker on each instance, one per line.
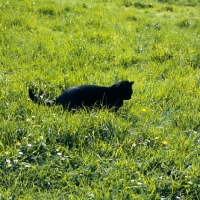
(88, 96)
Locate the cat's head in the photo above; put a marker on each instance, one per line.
(125, 89)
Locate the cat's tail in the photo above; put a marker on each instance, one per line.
(37, 100)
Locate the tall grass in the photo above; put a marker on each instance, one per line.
(149, 149)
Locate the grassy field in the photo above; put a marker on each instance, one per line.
(149, 149)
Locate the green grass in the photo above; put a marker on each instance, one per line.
(149, 149)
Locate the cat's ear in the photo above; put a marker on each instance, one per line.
(124, 84)
(131, 82)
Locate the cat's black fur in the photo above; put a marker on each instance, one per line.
(88, 96)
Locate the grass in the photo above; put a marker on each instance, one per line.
(149, 149)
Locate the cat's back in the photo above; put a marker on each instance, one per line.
(82, 93)
(84, 89)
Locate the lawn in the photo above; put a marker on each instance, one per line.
(148, 149)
